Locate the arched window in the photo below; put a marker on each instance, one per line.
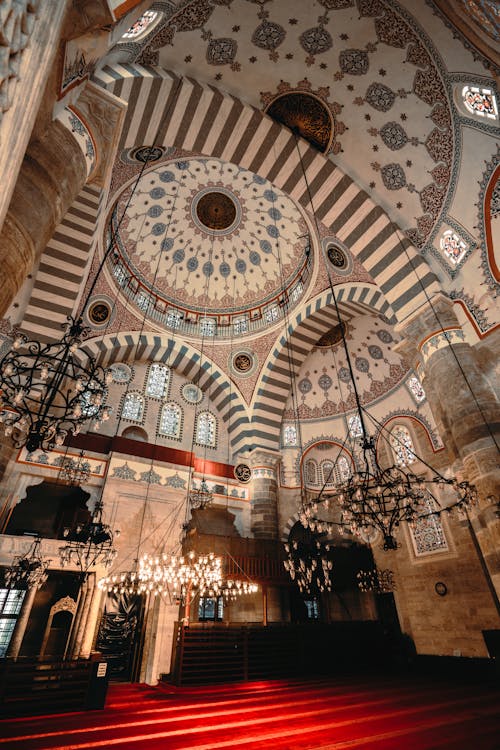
(207, 327)
(289, 434)
(133, 407)
(416, 389)
(355, 429)
(327, 472)
(402, 445)
(480, 101)
(343, 468)
(311, 471)
(206, 428)
(170, 421)
(158, 379)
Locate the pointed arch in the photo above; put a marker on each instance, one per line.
(184, 359)
(306, 326)
(239, 133)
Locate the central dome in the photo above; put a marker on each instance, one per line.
(206, 237)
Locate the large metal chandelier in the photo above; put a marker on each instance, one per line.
(380, 499)
(89, 543)
(180, 574)
(309, 565)
(29, 570)
(48, 390)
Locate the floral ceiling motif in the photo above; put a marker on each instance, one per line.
(208, 235)
(324, 386)
(381, 68)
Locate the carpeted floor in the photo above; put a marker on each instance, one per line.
(324, 714)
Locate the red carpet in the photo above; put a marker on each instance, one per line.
(275, 715)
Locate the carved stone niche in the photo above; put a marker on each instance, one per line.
(59, 624)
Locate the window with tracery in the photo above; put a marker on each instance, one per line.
(140, 26)
(240, 325)
(120, 274)
(272, 314)
(355, 429)
(296, 291)
(174, 318)
(206, 429)
(290, 434)
(158, 380)
(428, 533)
(142, 301)
(170, 420)
(207, 327)
(343, 470)
(402, 445)
(133, 407)
(453, 247)
(416, 389)
(480, 101)
(311, 471)
(327, 472)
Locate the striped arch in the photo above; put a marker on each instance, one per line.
(62, 267)
(182, 358)
(289, 526)
(306, 326)
(168, 110)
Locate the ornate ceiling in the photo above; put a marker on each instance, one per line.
(369, 64)
(205, 236)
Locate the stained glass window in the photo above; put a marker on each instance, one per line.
(142, 301)
(452, 246)
(289, 434)
(402, 445)
(355, 429)
(240, 325)
(428, 534)
(207, 327)
(170, 420)
(296, 291)
(480, 101)
(416, 389)
(343, 468)
(206, 426)
(133, 407)
(119, 274)
(311, 472)
(174, 318)
(272, 314)
(158, 379)
(140, 26)
(327, 472)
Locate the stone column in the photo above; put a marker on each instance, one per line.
(90, 626)
(21, 623)
(264, 509)
(467, 417)
(80, 622)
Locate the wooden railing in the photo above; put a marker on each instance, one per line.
(256, 568)
(209, 653)
(30, 686)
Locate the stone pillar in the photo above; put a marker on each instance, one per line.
(469, 422)
(52, 174)
(80, 622)
(21, 623)
(90, 626)
(264, 510)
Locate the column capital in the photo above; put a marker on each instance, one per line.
(261, 458)
(432, 318)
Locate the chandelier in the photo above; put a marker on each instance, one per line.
(89, 543)
(380, 499)
(75, 471)
(29, 570)
(309, 566)
(133, 581)
(51, 389)
(200, 497)
(376, 580)
(179, 574)
(375, 499)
